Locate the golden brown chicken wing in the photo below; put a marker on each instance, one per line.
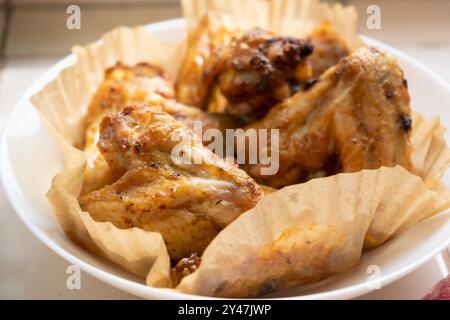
(262, 69)
(357, 116)
(329, 49)
(203, 58)
(172, 184)
(123, 85)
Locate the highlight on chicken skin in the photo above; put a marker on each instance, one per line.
(356, 116)
(143, 83)
(203, 58)
(188, 202)
(332, 110)
(261, 69)
(122, 84)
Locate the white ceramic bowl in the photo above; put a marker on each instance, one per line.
(29, 159)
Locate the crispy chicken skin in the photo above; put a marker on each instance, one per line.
(357, 116)
(123, 85)
(188, 203)
(262, 69)
(203, 58)
(185, 267)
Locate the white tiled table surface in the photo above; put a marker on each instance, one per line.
(36, 38)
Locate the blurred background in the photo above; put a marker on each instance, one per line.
(33, 36)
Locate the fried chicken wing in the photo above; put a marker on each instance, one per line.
(123, 85)
(189, 115)
(187, 200)
(247, 73)
(262, 69)
(185, 267)
(203, 59)
(356, 116)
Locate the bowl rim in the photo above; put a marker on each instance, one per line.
(12, 190)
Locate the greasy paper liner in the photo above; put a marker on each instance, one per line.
(298, 235)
